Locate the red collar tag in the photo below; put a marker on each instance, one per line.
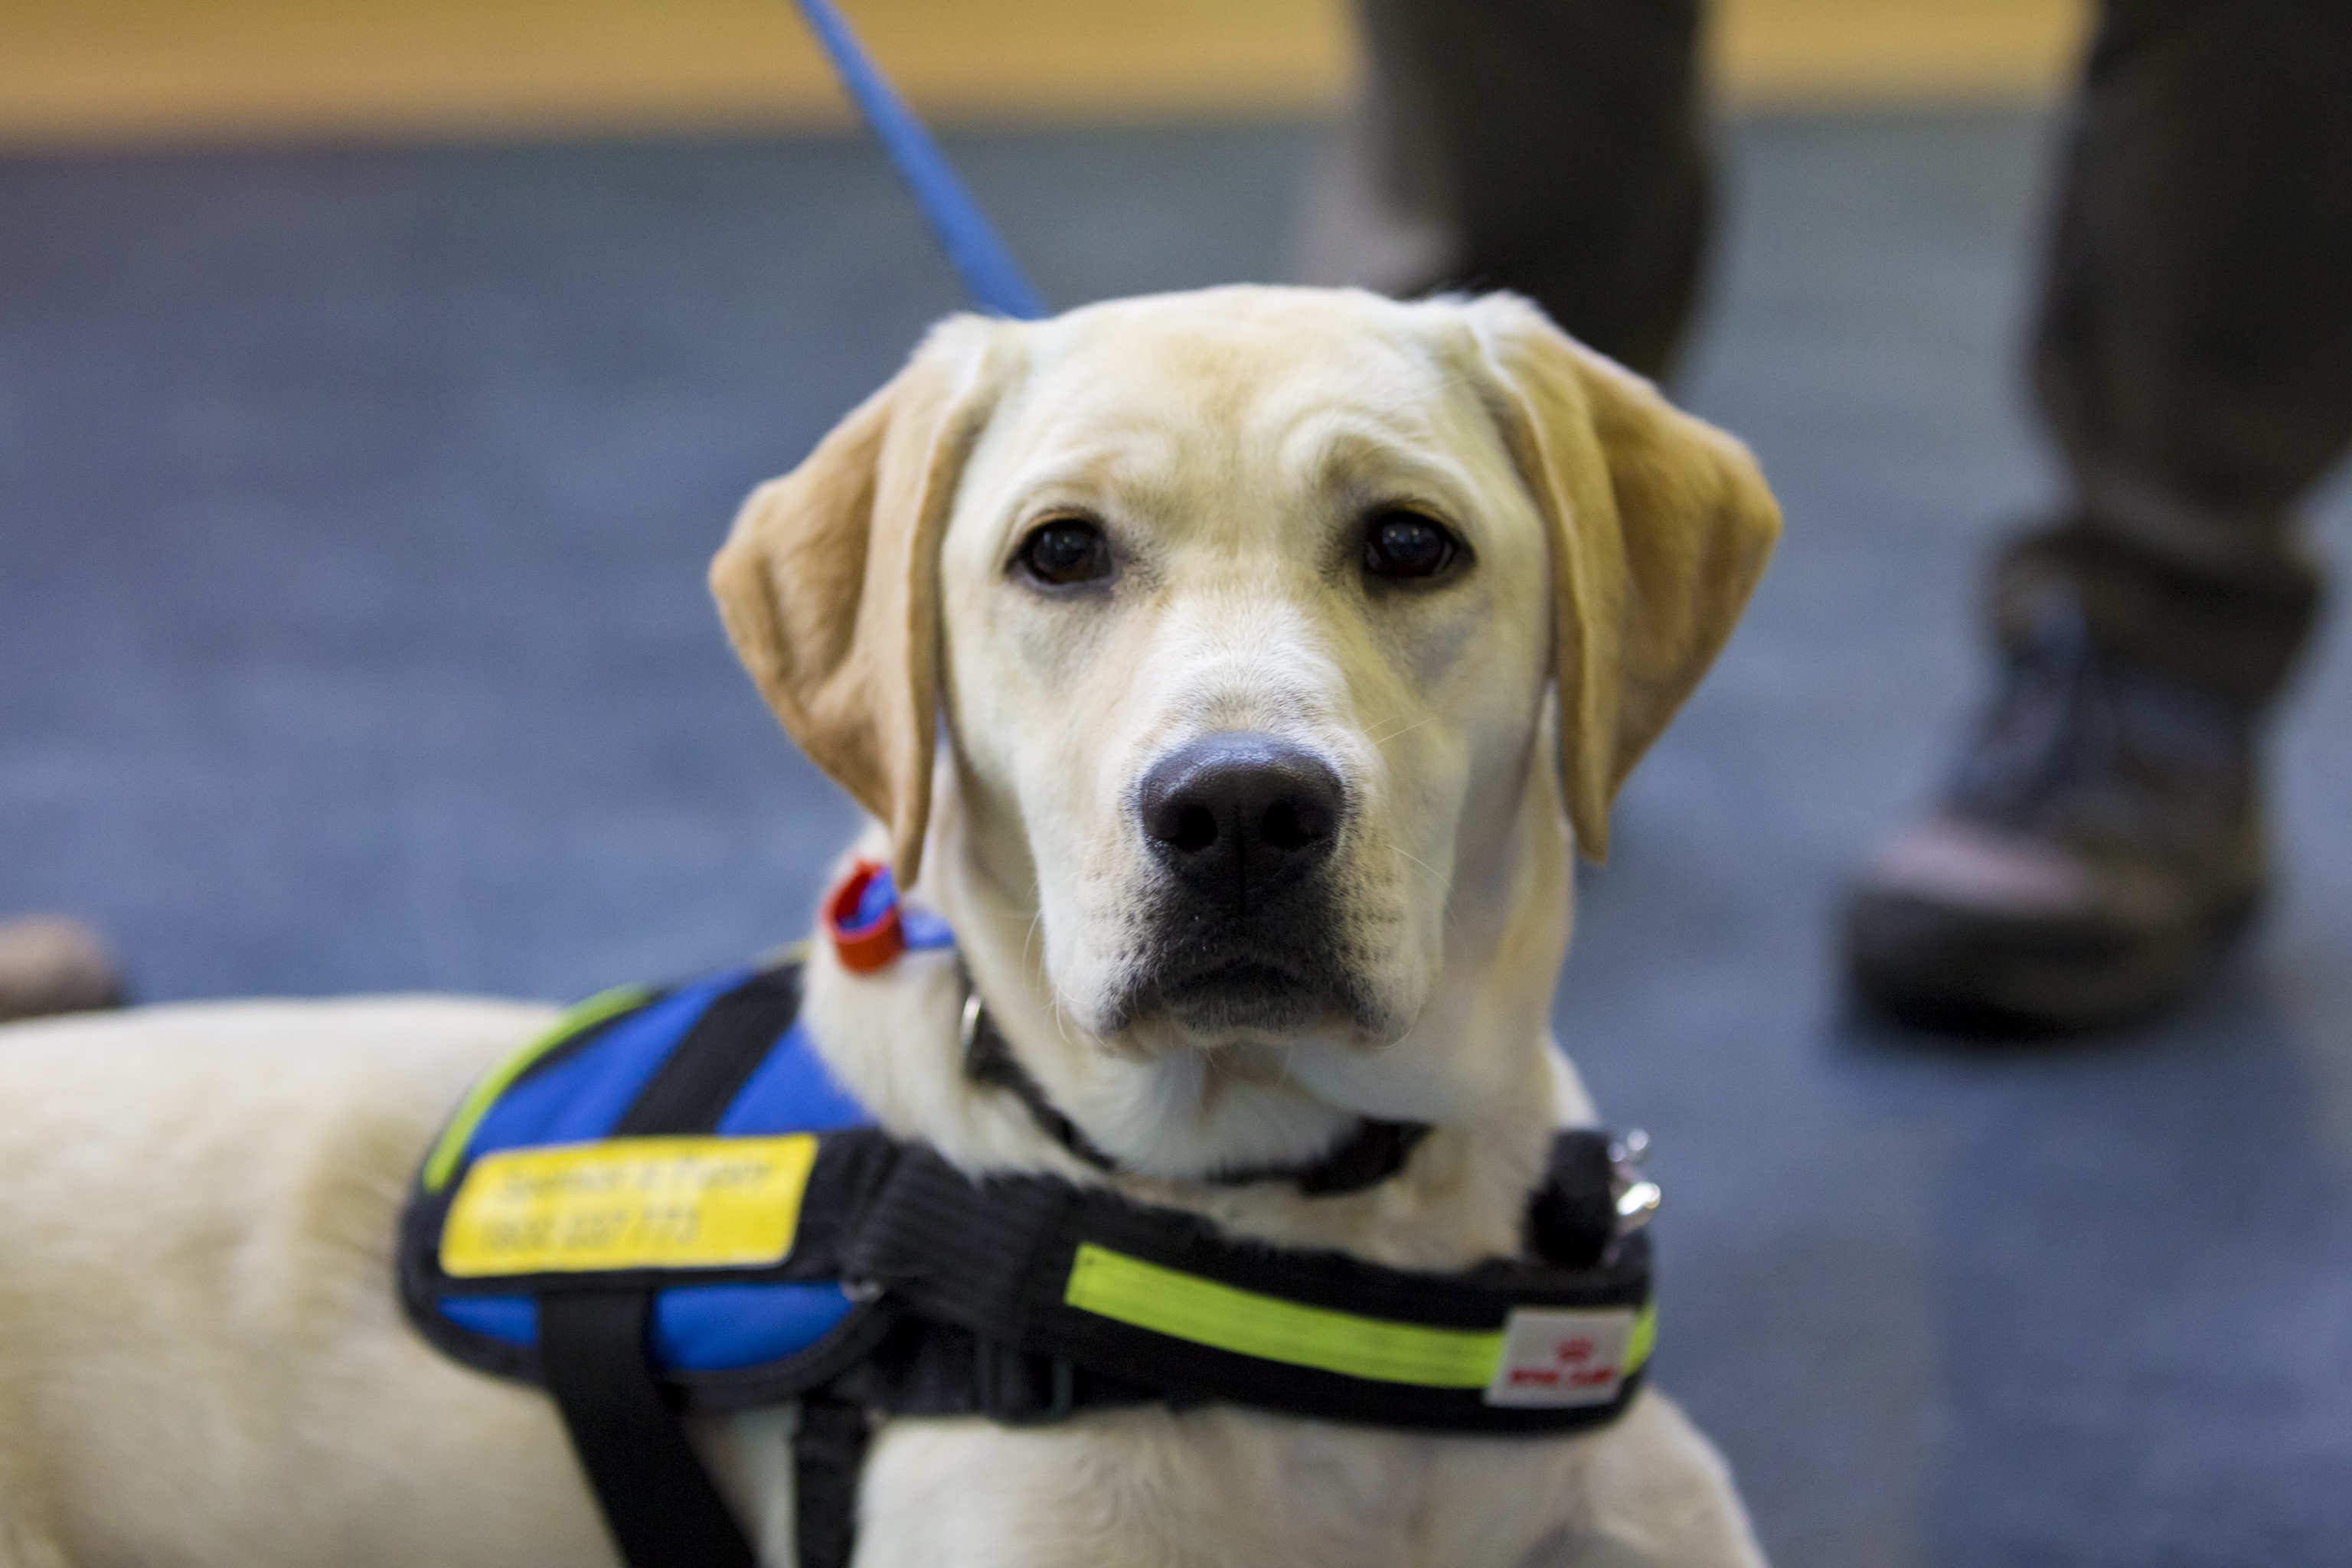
(877, 941)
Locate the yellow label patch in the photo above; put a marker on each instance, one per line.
(629, 1203)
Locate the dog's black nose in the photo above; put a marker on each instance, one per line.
(1238, 813)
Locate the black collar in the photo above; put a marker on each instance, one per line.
(1370, 1156)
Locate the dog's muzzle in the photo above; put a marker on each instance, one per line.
(1246, 928)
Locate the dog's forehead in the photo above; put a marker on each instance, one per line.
(1299, 377)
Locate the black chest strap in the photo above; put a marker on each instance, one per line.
(1024, 1298)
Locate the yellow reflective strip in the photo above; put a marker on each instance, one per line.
(443, 1161)
(628, 1203)
(1642, 1339)
(1186, 1307)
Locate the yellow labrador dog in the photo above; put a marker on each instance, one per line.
(1237, 672)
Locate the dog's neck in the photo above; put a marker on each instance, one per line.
(1478, 1064)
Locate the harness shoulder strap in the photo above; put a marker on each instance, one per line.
(658, 1501)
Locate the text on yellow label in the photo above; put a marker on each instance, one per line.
(629, 1203)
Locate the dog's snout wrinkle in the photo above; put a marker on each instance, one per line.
(1238, 813)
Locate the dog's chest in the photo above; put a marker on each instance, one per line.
(1213, 1486)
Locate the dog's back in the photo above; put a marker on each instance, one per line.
(202, 1360)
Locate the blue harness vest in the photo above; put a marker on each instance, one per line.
(667, 1203)
(573, 1088)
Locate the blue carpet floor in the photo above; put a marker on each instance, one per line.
(354, 508)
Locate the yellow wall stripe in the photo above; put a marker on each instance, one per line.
(1186, 1307)
(111, 71)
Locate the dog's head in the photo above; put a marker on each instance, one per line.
(1242, 608)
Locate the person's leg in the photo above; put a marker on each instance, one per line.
(2194, 355)
(1553, 147)
(2194, 360)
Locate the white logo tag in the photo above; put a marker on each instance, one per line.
(1562, 1358)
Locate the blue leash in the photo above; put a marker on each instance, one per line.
(990, 274)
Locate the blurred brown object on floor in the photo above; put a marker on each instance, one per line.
(49, 964)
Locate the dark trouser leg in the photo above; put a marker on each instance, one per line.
(2194, 355)
(1553, 147)
(2104, 837)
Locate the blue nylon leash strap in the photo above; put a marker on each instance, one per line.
(973, 248)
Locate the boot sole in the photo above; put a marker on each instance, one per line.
(1935, 968)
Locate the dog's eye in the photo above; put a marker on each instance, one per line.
(1064, 550)
(1407, 544)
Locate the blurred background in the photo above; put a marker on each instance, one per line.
(375, 382)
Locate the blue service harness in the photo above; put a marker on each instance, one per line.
(668, 1205)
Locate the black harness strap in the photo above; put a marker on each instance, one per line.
(691, 1091)
(828, 1459)
(657, 1497)
(659, 1501)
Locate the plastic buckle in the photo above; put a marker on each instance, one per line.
(995, 1368)
(875, 943)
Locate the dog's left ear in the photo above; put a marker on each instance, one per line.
(1660, 525)
(829, 583)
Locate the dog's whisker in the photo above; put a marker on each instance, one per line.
(1437, 877)
(1452, 922)
(1407, 730)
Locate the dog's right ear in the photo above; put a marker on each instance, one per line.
(829, 582)
(1660, 525)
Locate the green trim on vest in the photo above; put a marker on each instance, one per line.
(1247, 1322)
(1645, 1339)
(442, 1163)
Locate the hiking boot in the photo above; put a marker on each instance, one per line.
(2101, 843)
(52, 966)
